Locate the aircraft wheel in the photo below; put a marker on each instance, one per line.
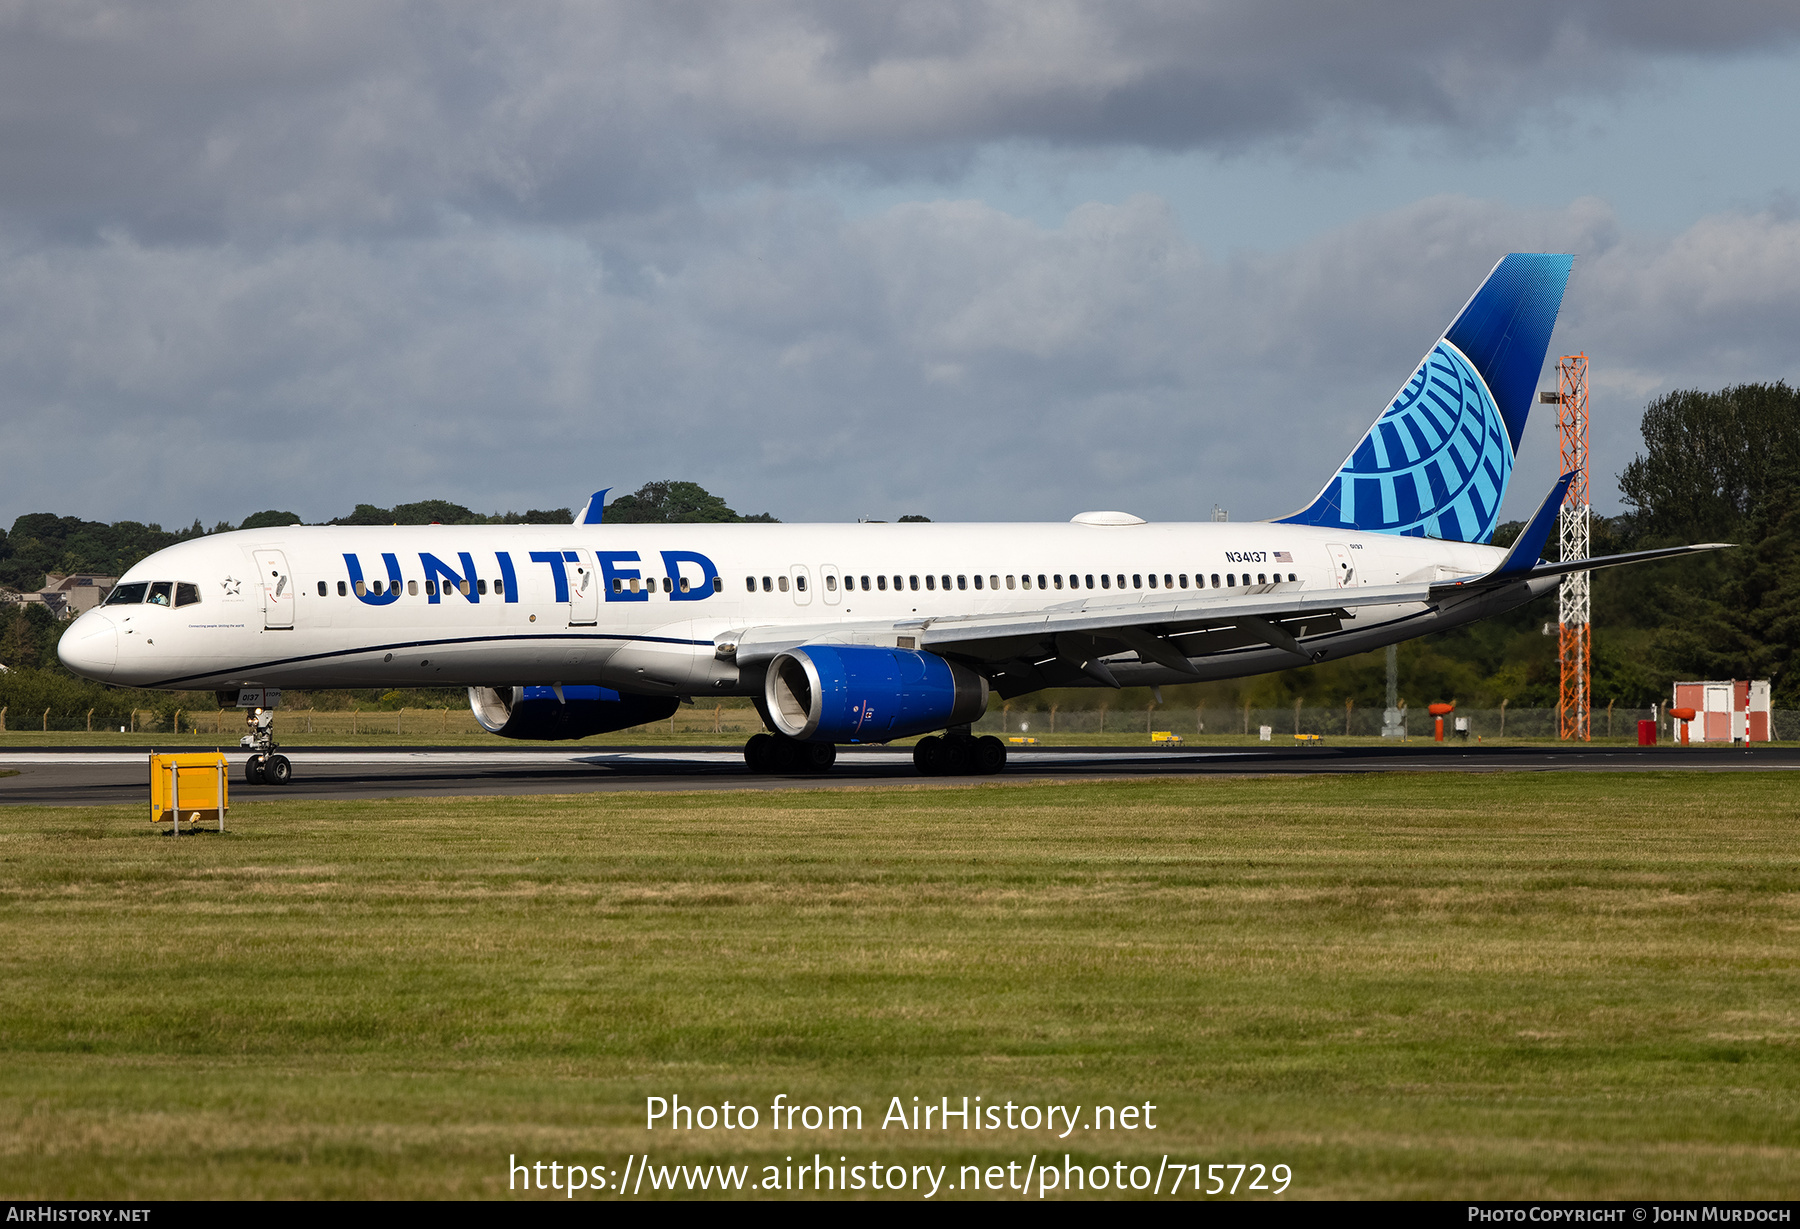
(758, 753)
(277, 771)
(954, 757)
(785, 755)
(990, 755)
(817, 757)
(253, 770)
(928, 755)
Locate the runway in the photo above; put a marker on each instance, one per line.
(104, 776)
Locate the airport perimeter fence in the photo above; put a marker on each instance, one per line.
(734, 723)
(1354, 722)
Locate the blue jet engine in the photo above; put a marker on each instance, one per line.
(539, 713)
(842, 693)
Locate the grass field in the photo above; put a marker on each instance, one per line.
(1513, 985)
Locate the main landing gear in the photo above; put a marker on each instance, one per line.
(958, 755)
(777, 753)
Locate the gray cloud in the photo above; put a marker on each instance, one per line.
(941, 357)
(203, 120)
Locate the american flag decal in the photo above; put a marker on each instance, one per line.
(1282, 556)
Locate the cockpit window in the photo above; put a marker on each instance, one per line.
(127, 595)
(186, 594)
(159, 593)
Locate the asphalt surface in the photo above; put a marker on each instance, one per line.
(98, 775)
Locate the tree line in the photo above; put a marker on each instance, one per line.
(1714, 466)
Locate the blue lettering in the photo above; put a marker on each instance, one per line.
(614, 578)
(672, 561)
(435, 567)
(555, 559)
(362, 591)
(507, 575)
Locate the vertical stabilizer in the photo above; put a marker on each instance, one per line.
(1437, 461)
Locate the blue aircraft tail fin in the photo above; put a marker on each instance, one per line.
(1437, 461)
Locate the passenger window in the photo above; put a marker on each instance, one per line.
(881, 583)
(412, 588)
(127, 595)
(1231, 579)
(1260, 580)
(718, 584)
(322, 590)
(499, 588)
(1090, 582)
(1153, 580)
(361, 588)
(931, 582)
(1041, 579)
(830, 584)
(799, 583)
(978, 581)
(159, 593)
(1137, 580)
(1059, 580)
(1121, 580)
(430, 588)
(865, 584)
(750, 583)
(1215, 580)
(946, 583)
(635, 586)
(343, 590)
(669, 585)
(619, 585)
(962, 582)
(898, 581)
(1105, 581)
(187, 595)
(684, 584)
(912, 582)
(1291, 576)
(481, 587)
(1182, 577)
(1169, 581)
(768, 585)
(781, 583)
(993, 582)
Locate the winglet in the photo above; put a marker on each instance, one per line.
(1530, 546)
(596, 508)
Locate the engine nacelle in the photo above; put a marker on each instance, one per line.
(860, 693)
(538, 713)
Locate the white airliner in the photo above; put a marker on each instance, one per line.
(874, 632)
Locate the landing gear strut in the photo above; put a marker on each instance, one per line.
(264, 767)
(957, 755)
(780, 754)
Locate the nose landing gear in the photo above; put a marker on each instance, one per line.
(264, 767)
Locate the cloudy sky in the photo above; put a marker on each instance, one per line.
(1001, 260)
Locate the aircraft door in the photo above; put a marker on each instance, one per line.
(584, 589)
(828, 576)
(277, 588)
(1342, 565)
(802, 586)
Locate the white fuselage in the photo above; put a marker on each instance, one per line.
(636, 608)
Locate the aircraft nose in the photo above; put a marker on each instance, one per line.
(90, 647)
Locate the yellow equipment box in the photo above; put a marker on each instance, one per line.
(192, 788)
(1023, 742)
(1164, 736)
(1308, 738)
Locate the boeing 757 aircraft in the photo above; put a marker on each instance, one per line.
(872, 632)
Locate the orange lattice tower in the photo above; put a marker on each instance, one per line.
(1575, 637)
